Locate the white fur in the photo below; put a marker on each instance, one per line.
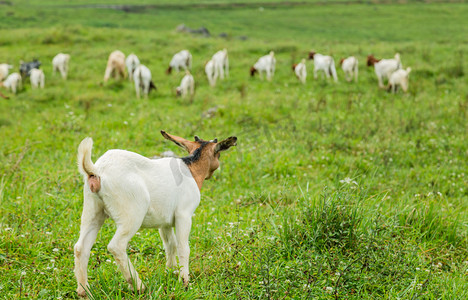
(132, 62)
(37, 78)
(211, 72)
(221, 61)
(385, 67)
(142, 80)
(187, 85)
(399, 77)
(13, 82)
(301, 71)
(135, 192)
(350, 68)
(4, 70)
(266, 64)
(60, 63)
(326, 64)
(181, 60)
(115, 65)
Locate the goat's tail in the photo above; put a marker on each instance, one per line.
(86, 166)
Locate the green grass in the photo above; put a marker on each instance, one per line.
(279, 219)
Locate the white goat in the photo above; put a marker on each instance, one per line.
(187, 85)
(350, 68)
(115, 65)
(4, 70)
(37, 78)
(132, 62)
(142, 80)
(211, 71)
(60, 63)
(384, 67)
(182, 59)
(300, 70)
(324, 63)
(221, 61)
(399, 77)
(265, 64)
(135, 192)
(13, 82)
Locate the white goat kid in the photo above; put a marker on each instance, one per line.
(115, 65)
(399, 78)
(187, 85)
(221, 61)
(384, 67)
(4, 70)
(142, 80)
(13, 82)
(211, 72)
(37, 78)
(265, 64)
(180, 60)
(350, 68)
(324, 63)
(300, 70)
(135, 192)
(60, 63)
(132, 62)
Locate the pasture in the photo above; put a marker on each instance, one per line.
(334, 191)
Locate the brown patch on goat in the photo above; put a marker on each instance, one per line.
(371, 60)
(341, 61)
(311, 54)
(294, 67)
(253, 71)
(169, 70)
(94, 183)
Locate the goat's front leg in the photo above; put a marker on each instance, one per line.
(170, 246)
(183, 226)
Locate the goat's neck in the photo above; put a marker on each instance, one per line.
(199, 170)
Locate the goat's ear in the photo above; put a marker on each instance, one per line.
(226, 144)
(197, 139)
(181, 142)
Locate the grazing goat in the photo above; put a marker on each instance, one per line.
(264, 64)
(384, 67)
(300, 70)
(132, 62)
(26, 67)
(4, 70)
(350, 68)
(399, 77)
(187, 86)
(182, 59)
(323, 63)
(115, 65)
(13, 82)
(37, 78)
(142, 80)
(60, 63)
(135, 192)
(211, 72)
(221, 61)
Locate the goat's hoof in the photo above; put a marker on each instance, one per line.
(81, 292)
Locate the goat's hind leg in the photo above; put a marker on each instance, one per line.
(170, 246)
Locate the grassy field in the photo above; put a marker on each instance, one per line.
(335, 191)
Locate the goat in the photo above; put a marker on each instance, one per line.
(142, 80)
(187, 85)
(323, 63)
(4, 70)
(37, 78)
(399, 77)
(26, 67)
(211, 71)
(182, 59)
(135, 192)
(221, 61)
(384, 67)
(60, 63)
(115, 65)
(350, 68)
(132, 62)
(13, 82)
(300, 70)
(265, 64)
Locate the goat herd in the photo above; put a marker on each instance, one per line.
(215, 68)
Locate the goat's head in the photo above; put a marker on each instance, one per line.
(204, 155)
(341, 61)
(253, 71)
(169, 70)
(311, 54)
(371, 60)
(294, 67)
